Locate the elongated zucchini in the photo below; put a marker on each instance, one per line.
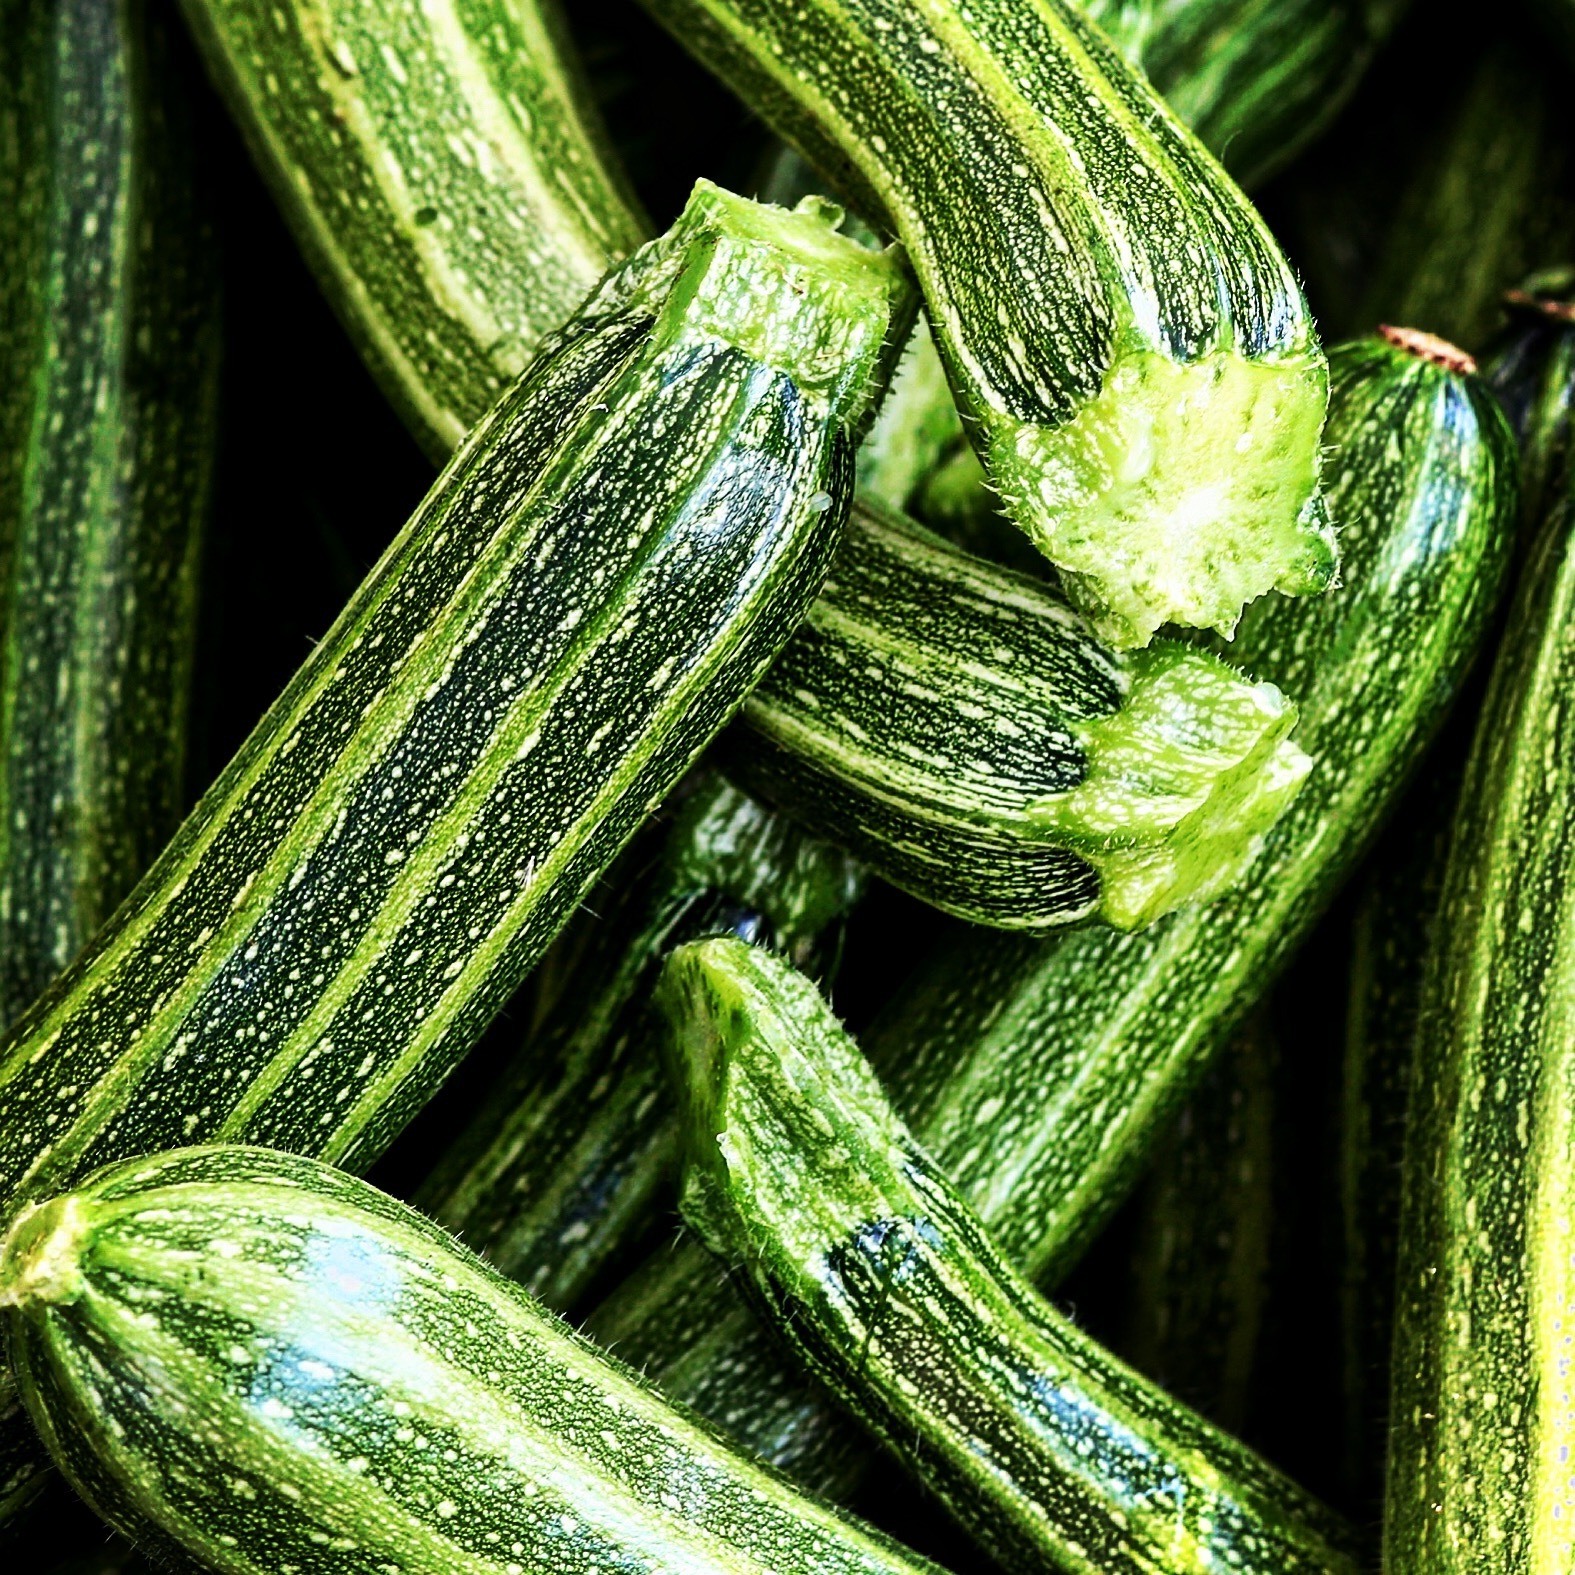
(586, 593)
(108, 356)
(565, 1162)
(444, 172)
(963, 730)
(1531, 367)
(1478, 1473)
(1256, 80)
(1139, 370)
(1051, 1452)
(1200, 1267)
(1038, 1071)
(303, 1367)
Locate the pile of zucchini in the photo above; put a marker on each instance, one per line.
(937, 859)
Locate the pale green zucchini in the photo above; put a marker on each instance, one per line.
(252, 1359)
(585, 595)
(442, 169)
(1482, 1425)
(1039, 1071)
(108, 360)
(962, 729)
(1199, 1285)
(1051, 1452)
(566, 1161)
(1138, 368)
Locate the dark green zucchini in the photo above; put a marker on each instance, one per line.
(108, 360)
(1138, 368)
(565, 1162)
(1038, 1071)
(1256, 80)
(1481, 1423)
(1201, 1264)
(252, 1359)
(1052, 1453)
(587, 592)
(963, 730)
(442, 169)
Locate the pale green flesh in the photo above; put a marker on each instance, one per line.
(258, 1361)
(1053, 1453)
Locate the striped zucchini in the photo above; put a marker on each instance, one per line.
(962, 730)
(565, 1162)
(586, 593)
(1481, 1427)
(1052, 1453)
(108, 360)
(1531, 367)
(1038, 1071)
(1139, 370)
(252, 1359)
(1256, 80)
(443, 171)
(1201, 1265)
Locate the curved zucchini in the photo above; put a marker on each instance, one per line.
(108, 362)
(1138, 368)
(1481, 1424)
(443, 171)
(1052, 1453)
(564, 1162)
(304, 1374)
(1038, 1071)
(587, 592)
(1201, 1266)
(962, 730)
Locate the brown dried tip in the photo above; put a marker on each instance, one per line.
(1543, 305)
(1428, 347)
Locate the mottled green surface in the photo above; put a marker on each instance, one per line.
(1039, 1071)
(261, 1361)
(1055, 1455)
(583, 598)
(443, 171)
(966, 732)
(1482, 1420)
(108, 354)
(569, 1159)
(1112, 313)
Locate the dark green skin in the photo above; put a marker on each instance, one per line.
(1200, 1270)
(467, 748)
(108, 361)
(1051, 1452)
(569, 1161)
(1423, 468)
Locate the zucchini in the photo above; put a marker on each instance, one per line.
(443, 171)
(1201, 1264)
(250, 1358)
(1478, 1470)
(470, 744)
(1052, 1453)
(1038, 1071)
(1133, 354)
(1256, 80)
(108, 362)
(1531, 367)
(963, 731)
(565, 1162)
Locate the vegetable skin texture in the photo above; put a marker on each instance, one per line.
(1130, 350)
(479, 733)
(1117, 1028)
(251, 1359)
(1055, 1455)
